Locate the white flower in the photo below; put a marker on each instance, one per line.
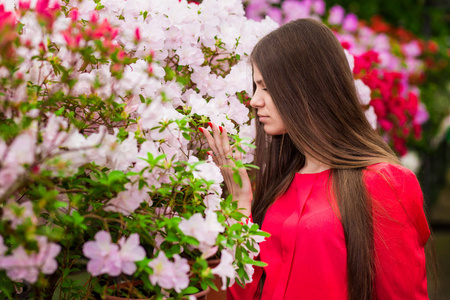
(363, 92)
(411, 160)
(181, 271)
(371, 117)
(225, 268)
(350, 59)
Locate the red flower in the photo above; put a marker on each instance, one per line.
(417, 131)
(385, 124)
(379, 107)
(400, 145)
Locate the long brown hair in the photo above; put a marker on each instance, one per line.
(308, 77)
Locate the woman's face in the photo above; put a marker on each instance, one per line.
(267, 112)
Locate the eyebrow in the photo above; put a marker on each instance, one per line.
(260, 82)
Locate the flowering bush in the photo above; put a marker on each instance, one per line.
(387, 68)
(102, 169)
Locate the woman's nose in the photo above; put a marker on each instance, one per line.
(256, 100)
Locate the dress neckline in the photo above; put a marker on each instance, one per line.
(313, 174)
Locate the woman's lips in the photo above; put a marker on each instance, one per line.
(263, 118)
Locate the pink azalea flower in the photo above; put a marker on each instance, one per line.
(205, 230)
(163, 271)
(103, 255)
(411, 49)
(275, 14)
(23, 266)
(26, 211)
(170, 275)
(20, 266)
(106, 258)
(295, 10)
(422, 114)
(46, 258)
(350, 22)
(130, 251)
(129, 200)
(336, 15)
(21, 151)
(318, 7)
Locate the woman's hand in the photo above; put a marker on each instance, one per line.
(222, 154)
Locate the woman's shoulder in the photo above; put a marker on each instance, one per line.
(397, 194)
(389, 173)
(388, 182)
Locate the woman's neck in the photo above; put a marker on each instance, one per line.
(313, 166)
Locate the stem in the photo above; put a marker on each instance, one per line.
(83, 66)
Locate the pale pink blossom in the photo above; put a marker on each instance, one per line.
(54, 132)
(17, 213)
(22, 149)
(107, 258)
(23, 266)
(104, 255)
(8, 175)
(20, 266)
(163, 271)
(46, 258)
(181, 276)
(130, 252)
(126, 202)
(205, 230)
(422, 114)
(225, 268)
(411, 49)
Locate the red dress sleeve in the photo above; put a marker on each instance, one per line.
(400, 232)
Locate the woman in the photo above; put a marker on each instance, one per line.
(346, 219)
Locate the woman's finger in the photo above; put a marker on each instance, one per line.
(218, 142)
(211, 143)
(228, 152)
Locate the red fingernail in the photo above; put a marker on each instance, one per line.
(210, 124)
(220, 128)
(200, 129)
(209, 153)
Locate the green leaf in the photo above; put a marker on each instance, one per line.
(190, 290)
(187, 136)
(237, 178)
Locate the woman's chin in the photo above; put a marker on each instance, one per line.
(273, 131)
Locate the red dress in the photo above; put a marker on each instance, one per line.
(307, 255)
